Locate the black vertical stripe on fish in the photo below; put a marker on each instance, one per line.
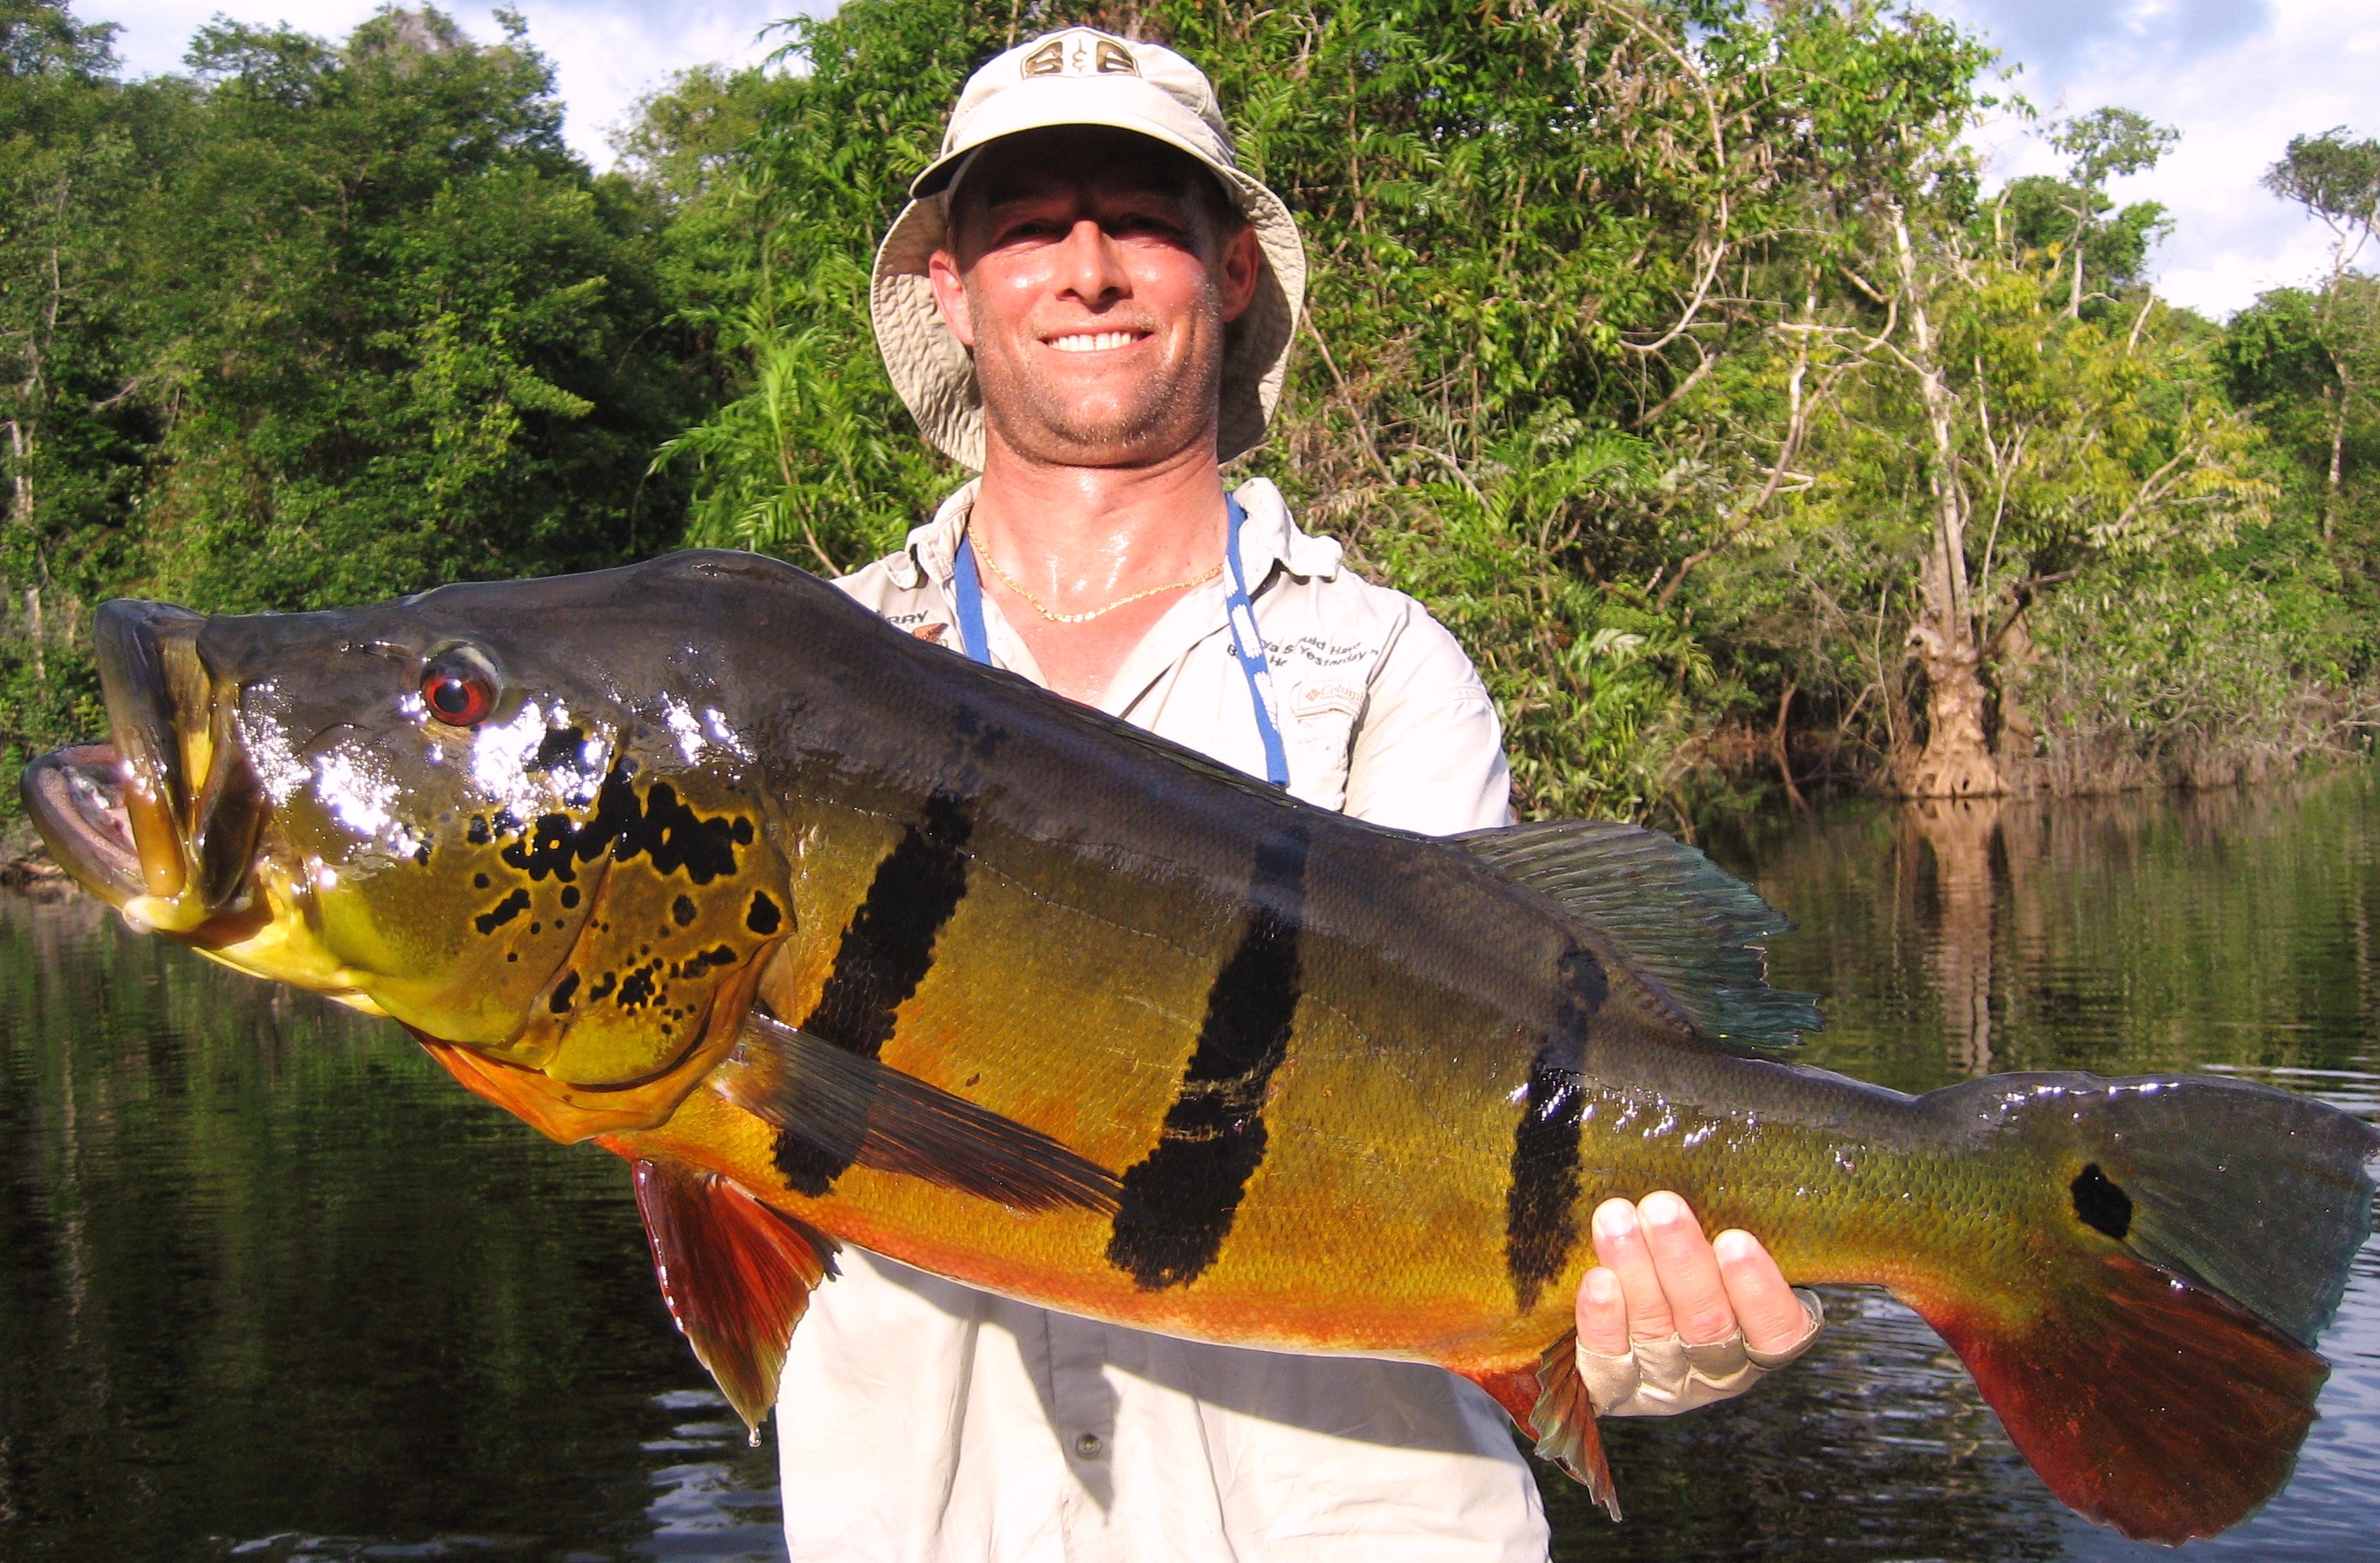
(1541, 1203)
(885, 953)
(1178, 1204)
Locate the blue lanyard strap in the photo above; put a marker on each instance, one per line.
(1248, 651)
(1247, 641)
(972, 639)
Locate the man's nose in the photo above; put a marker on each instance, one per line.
(1091, 267)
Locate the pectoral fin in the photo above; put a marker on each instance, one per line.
(864, 1113)
(1549, 1402)
(737, 1275)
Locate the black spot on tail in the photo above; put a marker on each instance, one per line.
(2100, 1203)
(1178, 1203)
(1541, 1204)
(885, 953)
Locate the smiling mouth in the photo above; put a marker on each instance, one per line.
(1096, 342)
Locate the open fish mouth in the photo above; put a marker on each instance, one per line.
(75, 798)
(162, 821)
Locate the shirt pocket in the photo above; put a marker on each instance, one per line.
(1318, 715)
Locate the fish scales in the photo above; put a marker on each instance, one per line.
(1058, 1009)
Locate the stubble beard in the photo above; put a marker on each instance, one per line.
(1159, 418)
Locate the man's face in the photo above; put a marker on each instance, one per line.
(1093, 279)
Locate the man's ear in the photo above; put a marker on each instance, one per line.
(1242, 264)
(950, 296)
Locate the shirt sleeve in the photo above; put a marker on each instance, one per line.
(1428, 754)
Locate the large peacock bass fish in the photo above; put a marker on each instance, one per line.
(838, 937)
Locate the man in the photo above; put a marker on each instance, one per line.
(1089, 303)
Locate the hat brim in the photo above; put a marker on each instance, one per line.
(935, 374)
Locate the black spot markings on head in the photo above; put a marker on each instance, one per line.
(503, 911)
(560, 1002)
(682, 911)
(1541, 1200)
(2100, 1204)
(763, 918)
(1178, 1203)
(658, 827)
(885, 953)
(561, 746)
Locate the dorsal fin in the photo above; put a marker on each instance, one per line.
(737, 1275)
(1678, 919)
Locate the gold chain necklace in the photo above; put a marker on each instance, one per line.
(1088, 615)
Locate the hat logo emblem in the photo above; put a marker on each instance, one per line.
(1055, 58)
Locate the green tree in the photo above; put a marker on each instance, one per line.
(2338, 180)
(401, 335)
(2104, 144)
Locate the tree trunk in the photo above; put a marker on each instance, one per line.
(2338, 449)
(1956, 761)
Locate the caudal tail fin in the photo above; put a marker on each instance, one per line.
(2146, 1333)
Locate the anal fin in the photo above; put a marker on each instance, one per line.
(1549, 1402)
(866, 1113)
(737, 1275)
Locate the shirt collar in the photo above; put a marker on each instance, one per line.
(1271, 538)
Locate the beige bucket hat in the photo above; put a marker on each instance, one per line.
(1080, 76)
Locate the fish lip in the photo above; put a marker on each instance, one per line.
(75, 797)
(127, 817)
(140, 647)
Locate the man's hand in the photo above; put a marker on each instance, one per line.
(1668, 1320)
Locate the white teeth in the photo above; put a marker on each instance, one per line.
(1098, 343)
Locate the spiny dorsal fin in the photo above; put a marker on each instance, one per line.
(1679, 917)
(737, 1275)
(872, 1115)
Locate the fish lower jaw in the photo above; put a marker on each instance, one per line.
(164, 914)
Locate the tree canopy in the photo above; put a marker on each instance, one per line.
(1674, 352)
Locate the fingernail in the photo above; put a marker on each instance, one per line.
(1734, 1246)
(1602, 1287)
(1615, 1218)
(1663, 1209)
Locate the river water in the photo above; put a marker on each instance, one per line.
(272, 1287)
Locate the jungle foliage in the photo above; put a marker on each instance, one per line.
(1670, 350)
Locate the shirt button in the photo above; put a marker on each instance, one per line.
(1089, 1446)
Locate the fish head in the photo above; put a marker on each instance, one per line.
(518, 817)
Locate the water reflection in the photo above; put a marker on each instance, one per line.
(272, 1288)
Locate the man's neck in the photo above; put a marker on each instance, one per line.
(1081, 539)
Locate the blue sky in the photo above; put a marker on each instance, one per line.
(2238, 77)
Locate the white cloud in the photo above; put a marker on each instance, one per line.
(2237, 78)
(606, 54)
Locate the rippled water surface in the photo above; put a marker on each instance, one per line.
(272, 1287)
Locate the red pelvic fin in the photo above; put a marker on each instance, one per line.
(1549, 1402)
(737, 1275)
(2154, 1406)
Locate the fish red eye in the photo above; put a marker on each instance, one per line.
(458, 697)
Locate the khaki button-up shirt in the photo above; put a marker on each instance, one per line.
(924, 1421)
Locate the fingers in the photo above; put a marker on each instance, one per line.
(1772, 1317)
(1602, 1315)
(1620, 1247)
(1670, 1278)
